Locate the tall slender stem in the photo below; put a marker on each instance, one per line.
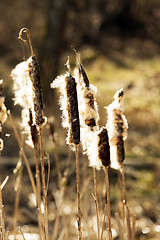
(108, 205)
(127, 214)
(78, 194)
(43, 183)
(96, 202)
(38, 190)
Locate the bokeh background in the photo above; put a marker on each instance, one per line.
(119, 43)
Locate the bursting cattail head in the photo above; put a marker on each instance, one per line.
(97, 148)
(27, 89)
(117, 129)
(69, 105)
(88, 107)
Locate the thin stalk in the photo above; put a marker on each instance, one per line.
(26, 162)
(127, 214)
(38, 190)
(96, 202)
(43, 183)
(108, 205)
(78, 194)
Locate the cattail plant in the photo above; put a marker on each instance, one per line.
(3, 114)
(94, 140)
(117, 130)
(28, 93)
(70, 120)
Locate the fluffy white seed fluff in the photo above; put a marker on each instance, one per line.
(115, 116)
(22, 85)
(59, 82)
(91, 149)
(25, 127)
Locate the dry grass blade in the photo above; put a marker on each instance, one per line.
(4, 182)
(22, 233)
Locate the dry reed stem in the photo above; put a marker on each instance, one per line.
(19, 177)
(121, 204)
(38, 190)
(26, 163)
(133, 227)
(49, 171)
(127, 214)
(43, 183)
(96, 202)
(108, 205)
(78, 194)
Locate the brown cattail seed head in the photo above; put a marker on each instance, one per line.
(103, 147)
(34, 73)
(73, 108)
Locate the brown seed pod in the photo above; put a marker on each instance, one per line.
(84, 75)
(103, 148)
(120, 149)
(73, 108)
(34, 74)
(90, 122)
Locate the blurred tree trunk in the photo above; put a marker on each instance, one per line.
(52, 45)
